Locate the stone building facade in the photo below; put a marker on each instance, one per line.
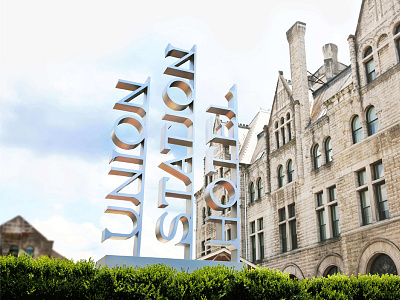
(18, 236)
(320, 171)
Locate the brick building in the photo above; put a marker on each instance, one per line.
(320, 171)
(18, 236)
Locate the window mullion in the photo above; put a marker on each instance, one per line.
(372, 197)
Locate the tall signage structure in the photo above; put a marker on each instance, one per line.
(181, 168)
(138, 119)
(227, 135)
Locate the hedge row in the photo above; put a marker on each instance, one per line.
(47, 278)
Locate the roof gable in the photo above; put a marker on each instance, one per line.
(283, 96)
(372, 14)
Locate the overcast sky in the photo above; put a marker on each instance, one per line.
(60, 62)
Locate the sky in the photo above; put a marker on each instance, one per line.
(59, 64)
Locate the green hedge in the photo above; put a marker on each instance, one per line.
(47, 278)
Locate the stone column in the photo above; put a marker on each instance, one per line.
(298, 66)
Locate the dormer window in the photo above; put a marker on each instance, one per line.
(369, 65)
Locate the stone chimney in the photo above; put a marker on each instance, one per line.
(331, 64)
(298, 66)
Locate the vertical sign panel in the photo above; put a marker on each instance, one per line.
(138, 118)
(179, 112)
(227, 135)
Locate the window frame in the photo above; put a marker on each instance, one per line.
(259, 188)
(397, 41)
(290, 170)
(13, 250)
(357, 137)
(372, 194)
(281, 176)
(327, 213)
(316, 156)
(322, 225)
(287, 228)
(257, 239)
(372, 123)
(252, 192)
(289, 126)
(328, 149)
(369, 61)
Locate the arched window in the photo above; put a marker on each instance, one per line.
(223, 201)
(317, 157)
(280, 177)
(13, 250)
(289, 127)
(259, 188)
(208, 211)
(252, 192)
(372, 121)
(383, 264)
(356, 129)
(29, 250)
(369, 65)
(276, 135)
(332, 270)
(328, 149)
(290, 170)
(204, 215)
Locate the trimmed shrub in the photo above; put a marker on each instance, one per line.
(46, 278)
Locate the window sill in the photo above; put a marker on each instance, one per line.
(333, 239)
(254, 202)
(327, 165)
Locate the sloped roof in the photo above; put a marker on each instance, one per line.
(328, 90)
(27, 227)
(250, 142)
(224, 254)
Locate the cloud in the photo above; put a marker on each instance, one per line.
(81, 240)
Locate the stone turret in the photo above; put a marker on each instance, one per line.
(331, 64)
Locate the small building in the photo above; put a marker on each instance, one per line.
(17, 236)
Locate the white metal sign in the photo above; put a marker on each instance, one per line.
(180, 168)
